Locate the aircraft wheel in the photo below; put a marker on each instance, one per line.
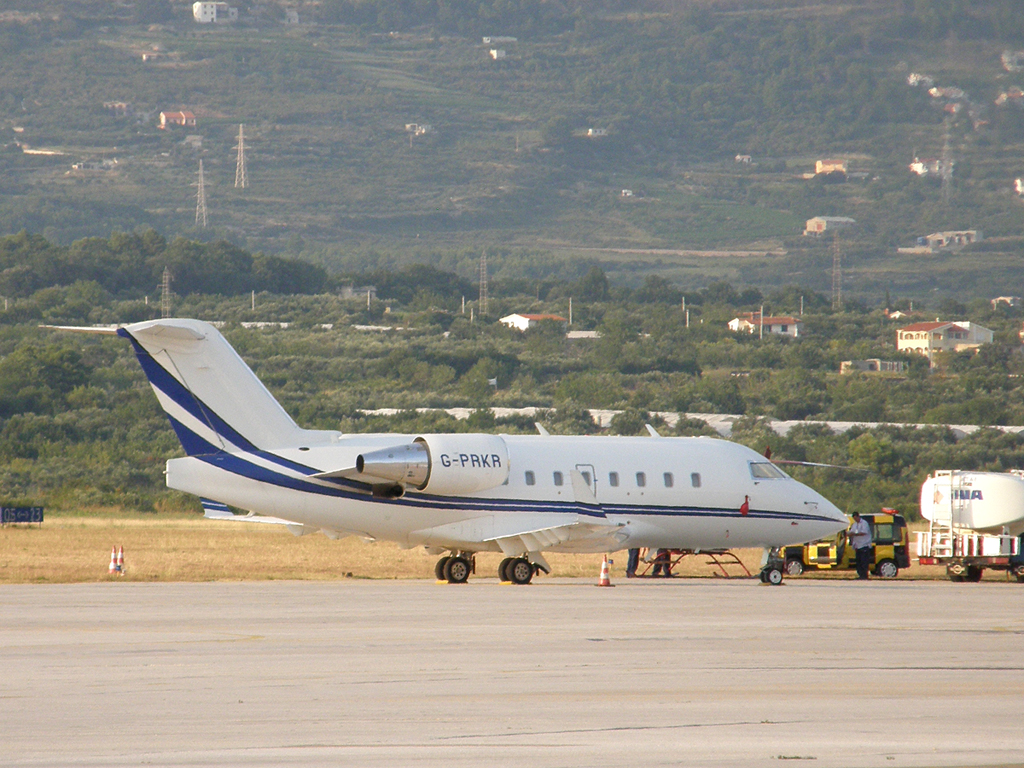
(456, 570)
(439, 568)
(772, 575)
(974, 573)
(794, 567)
(503, 569)
(520, 571)
(887, 569)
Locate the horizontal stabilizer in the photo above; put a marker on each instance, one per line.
(103, 330)
(214, 510)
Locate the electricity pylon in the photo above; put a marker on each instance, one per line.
(201, 199)
(241, 177)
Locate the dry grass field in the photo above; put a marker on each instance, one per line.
(70, 548)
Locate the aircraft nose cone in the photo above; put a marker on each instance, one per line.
(831, 510)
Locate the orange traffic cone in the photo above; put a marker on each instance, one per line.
(120, 561)
(113, 561)
(605, 580)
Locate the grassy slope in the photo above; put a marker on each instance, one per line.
(330, 162)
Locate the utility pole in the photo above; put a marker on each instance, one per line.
(241, 177)
(165, 293)
(483, 283)
(201, 199)
(837, 274)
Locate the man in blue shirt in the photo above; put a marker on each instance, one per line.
(860, 540)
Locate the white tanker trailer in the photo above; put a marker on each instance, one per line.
(975, 521)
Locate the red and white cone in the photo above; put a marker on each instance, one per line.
(113, 561)
(120, 561)
(605, 579)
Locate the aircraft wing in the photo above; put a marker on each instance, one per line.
(517, 534)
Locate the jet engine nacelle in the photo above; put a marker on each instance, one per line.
(441, 464)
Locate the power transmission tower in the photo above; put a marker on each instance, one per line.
(483, 283)
(947, 167)
(201, 199)
(241, 177)
(165, 294)
(837, 274)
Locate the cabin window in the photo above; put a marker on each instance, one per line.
(641, 479)
(669, 480)
(558, 478)
(613, 479)
(764, 470)
(531, 479)
(695, 479)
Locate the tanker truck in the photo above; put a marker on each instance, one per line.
(975, 522)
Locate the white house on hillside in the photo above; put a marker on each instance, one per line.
(523, 322)
(754, 323)
(211, 12)
(928, 338)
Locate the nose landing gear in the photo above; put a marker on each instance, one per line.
(772, 567)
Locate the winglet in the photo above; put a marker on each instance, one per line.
(541, 430)
(652, 431)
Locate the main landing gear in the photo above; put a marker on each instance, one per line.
(517, 570)
(458, 567)
(455, 569)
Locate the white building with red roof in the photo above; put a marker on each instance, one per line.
(524, 322)
(940, 336)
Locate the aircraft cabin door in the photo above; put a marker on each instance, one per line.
(589, 476)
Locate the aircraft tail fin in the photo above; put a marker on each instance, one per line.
(211, 397)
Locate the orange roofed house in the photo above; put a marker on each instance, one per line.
(939, 336)
(168, 119)
(752, 322)
(523, 322)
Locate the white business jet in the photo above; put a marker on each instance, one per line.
(460, 493)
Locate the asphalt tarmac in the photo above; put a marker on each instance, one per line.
(695, 672)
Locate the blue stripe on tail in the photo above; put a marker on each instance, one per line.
(160, 378)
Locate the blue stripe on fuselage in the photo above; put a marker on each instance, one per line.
(236, 463)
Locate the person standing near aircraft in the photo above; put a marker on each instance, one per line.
(633, 562)
(663, 564)
(860, 540)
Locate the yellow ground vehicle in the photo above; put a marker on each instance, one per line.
(889, 544)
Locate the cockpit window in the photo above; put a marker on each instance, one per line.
(764, 470)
